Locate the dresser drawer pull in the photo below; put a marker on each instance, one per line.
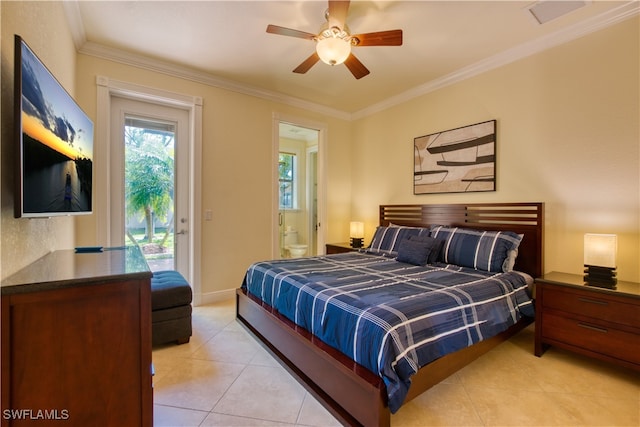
(593, 301)
(593, 328)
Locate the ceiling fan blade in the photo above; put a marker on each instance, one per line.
(338, 13)
(282, 31)
(307, 64)
(356, 67)
(380, 38)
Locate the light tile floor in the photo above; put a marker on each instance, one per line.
(223, 377)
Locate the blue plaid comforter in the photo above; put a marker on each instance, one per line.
(388, 316)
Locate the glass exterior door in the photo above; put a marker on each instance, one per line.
(150, 193)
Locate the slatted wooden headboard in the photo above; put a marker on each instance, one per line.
(521, 218)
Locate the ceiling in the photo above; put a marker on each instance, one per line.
(225, 43)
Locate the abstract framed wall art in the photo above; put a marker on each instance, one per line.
(456, 161)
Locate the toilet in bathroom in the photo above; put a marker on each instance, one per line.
(296, 250)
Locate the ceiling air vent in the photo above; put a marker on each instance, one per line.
(545, 11)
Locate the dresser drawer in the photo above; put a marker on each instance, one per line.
(592, 304)
(591, 336)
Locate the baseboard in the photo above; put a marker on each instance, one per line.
(214, 297)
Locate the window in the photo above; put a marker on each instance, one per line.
(286, 176)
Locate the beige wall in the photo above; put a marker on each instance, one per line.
(567, 135)
(237, 169)
(38, 23)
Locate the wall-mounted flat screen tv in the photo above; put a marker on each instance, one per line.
(55, 167)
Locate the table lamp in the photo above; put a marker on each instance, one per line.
(600, 251)
(356, 233)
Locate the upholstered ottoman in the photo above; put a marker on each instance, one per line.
(171, 298)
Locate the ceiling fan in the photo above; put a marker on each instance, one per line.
(334, 41)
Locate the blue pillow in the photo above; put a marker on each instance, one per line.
(483, 250)
(434, 245)
(387, 239)
(413, 252)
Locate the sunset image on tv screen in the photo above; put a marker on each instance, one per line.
(57, 144)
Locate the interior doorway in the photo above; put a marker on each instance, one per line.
(299, 195)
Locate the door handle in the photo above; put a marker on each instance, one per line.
(182, 232)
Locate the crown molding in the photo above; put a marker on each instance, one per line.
(74, 19)
(186, 73)
(604, 20)
(607, 19)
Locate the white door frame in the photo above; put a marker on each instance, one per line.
(104, 167)
(322, 144)
(312, 229)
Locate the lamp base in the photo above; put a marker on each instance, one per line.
(356, 242)
(602, 277)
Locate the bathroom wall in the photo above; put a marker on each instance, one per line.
(297, 219)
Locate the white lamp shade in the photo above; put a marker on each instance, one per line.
(356, 230)
(600, 250)
(333, 50)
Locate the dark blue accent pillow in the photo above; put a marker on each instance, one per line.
(434, 245)
(413, 252)
(387, 239)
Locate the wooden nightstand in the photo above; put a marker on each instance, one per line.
(339, 248)
(597, 322)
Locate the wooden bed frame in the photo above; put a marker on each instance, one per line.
(352, 393)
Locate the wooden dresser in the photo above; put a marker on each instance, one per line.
(598, 322)
(76, 340)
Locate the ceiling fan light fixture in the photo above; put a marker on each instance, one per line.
(334, 40)
(333, 51)
(333, 45)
